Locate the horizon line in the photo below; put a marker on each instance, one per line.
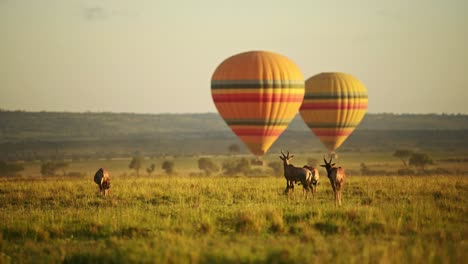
(207, 112)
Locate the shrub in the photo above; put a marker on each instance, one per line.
(420, 160)
(403, 155)
(136, 164)
(208, 166)
(168, 166)
(50, 168)
(233, 167)
(234, 149)
(10, 169)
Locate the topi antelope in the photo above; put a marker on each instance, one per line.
(102, 179)
(295, 174)
(314, 179)
(337, 177)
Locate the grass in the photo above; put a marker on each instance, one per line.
(233, 220)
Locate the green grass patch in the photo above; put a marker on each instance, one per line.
(232, 220)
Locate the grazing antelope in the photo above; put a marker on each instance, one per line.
(102, 179)
(314, 179)
(295, 174)
(337, 177)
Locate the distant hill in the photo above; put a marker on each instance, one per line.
(32, 134)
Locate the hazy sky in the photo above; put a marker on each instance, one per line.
(158, 56)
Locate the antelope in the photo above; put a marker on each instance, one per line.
(102, 179)
(295, 174)
(337, 176)
(314, 179)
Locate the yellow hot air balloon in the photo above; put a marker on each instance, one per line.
(257, 93)
(334, 105)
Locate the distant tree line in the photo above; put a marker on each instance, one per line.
(10, 169)
(413, 163)
(43, 136)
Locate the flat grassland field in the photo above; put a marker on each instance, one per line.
(241, 219)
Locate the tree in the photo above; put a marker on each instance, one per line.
(277, 167)
(168, 167)
(229, 167)
(47, 168)
(10, 169)
(208, 166)
(233, 167)
(403, 155)
(151, 169)
(136, 164)
(420, 160)
(234, 149)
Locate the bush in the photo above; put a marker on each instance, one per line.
(420, 160)
(50, 168)
(7, 169)
(403, 155)
(234, 149)
(233, 167)
(136, 164)
(208, 166)
(168, 166)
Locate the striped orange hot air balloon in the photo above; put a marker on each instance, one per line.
(257, 93)
(334, 105)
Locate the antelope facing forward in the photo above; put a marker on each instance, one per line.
(102, 179)
(314, 179)
(337, 177)
(295, 174)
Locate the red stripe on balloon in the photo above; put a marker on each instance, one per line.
(258, 132)
(241, 98)
(331, 106)
(331, 133)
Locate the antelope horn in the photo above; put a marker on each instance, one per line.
(288, 154)
(325, 160)
(284, 156)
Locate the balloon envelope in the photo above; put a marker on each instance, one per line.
(257, 93)
(334, 105)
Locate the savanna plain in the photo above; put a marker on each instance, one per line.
(192, 218)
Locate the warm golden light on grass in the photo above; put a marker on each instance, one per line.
(241, 219)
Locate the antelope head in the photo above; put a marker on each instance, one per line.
(286, 158)
(328, 165)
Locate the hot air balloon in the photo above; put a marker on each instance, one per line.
(334, 105)
(257, 93)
